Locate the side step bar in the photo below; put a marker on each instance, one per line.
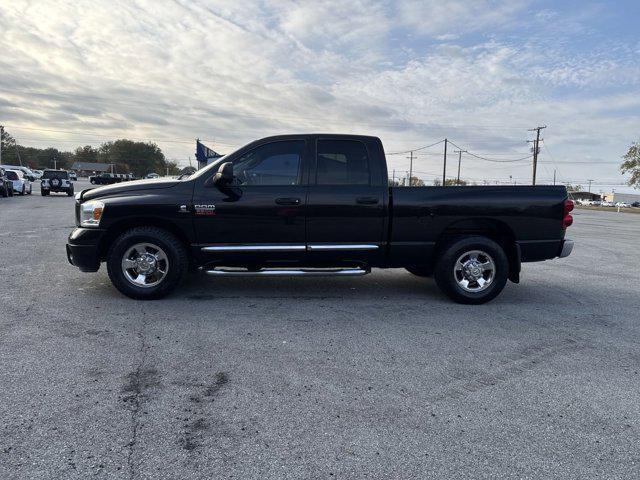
(307, 272)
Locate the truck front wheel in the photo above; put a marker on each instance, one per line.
(147, 263)
(472, 270)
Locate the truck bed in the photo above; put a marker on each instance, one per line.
(529, 215)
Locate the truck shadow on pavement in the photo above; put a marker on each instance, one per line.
(380, 286)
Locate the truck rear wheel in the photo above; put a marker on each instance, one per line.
(147, 263)
(472, 270)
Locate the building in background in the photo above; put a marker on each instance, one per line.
(84, 169)
(584, 196)
(615, 197)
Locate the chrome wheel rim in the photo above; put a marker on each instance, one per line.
(474, 271)
(145, 265)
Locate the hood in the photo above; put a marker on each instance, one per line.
(131, 186)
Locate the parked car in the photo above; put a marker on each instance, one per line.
(307, 205)
(623, 205)
(606, 204)
(635, 204)
(72, 175)
(56, 181)
(37, 174)
(21, 184)
(25, 171)
(109, 178)
(152, 175)
(6, 185)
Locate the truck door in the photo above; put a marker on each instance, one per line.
(346, 213)
(261, 215)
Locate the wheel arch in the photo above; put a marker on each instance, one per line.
(121, 226)
(496, 230)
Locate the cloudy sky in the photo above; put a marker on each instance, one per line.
(480, 72)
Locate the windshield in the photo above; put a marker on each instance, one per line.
(11, 175)
(55, 174)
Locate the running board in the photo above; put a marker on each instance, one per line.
(307, 272)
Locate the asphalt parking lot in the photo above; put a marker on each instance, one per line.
(372, 377)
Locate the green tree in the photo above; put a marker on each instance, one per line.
(8, 146)
(138, 158)
(449, 182)
(86, 154)
(631, 164)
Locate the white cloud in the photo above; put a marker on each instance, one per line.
(454, 17)
(234, 71)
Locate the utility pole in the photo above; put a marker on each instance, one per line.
(393, 178)
(536, 147)
(1, 133)
(55, 162)
(554, 176)
(18, 154)
(590, 180)
(459, 152)
(444, 167)
(410, 166)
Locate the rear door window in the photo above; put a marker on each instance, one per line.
(342, 162)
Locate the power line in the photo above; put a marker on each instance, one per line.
(416, 149)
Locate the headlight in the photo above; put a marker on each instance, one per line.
(91, 213)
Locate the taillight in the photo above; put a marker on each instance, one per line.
(567, 219)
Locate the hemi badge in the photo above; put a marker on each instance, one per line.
(205, 210)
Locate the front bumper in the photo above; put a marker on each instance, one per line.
(83, 248)
(567, 248)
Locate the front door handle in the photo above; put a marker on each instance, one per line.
(288, 201)
(367, 200)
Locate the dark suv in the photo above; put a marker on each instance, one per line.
(110, 178)
(6, 185)
(56, 181)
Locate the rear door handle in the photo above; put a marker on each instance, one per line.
(367, 200)
(288, 201)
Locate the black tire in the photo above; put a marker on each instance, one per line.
(419, 271)
(5, 192)
(447, 281)
(44, 192)
(176, 253)
(70, 193)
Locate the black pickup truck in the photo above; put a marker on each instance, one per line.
(314, 205)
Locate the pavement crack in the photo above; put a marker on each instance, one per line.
(134, 393)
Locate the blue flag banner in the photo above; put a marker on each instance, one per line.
(205, 154)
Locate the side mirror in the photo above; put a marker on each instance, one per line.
(224, 176)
